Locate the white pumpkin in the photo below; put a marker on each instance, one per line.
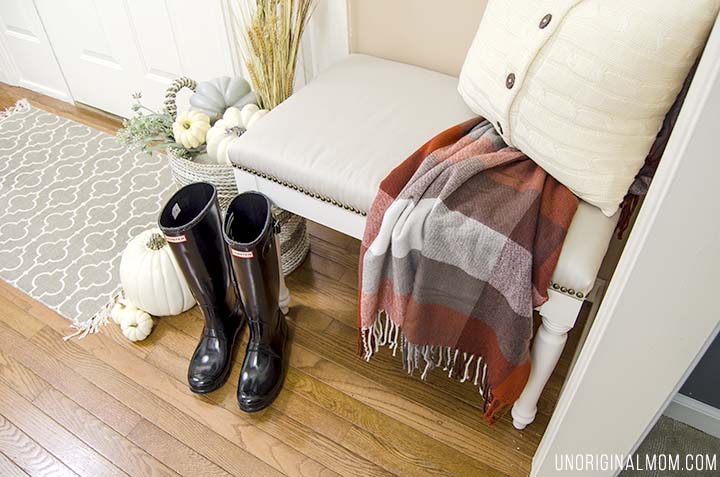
(117, 311)
(151, 277)
(190, 129)
(255, 117)
(223, 133)
(250, 114)
(247, 112)
(135, 324)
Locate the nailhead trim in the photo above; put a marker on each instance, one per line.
(315, 195)
(296, 187)
(567, 291)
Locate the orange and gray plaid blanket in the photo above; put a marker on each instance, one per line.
(459, 247)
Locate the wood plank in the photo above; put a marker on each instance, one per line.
(398, 448)
(336, 299)
(83, 114)
(17, 297)
(415, 452)
(272, 435)
(144, 380)
(21, 379)
(173, 453)
(171, 363)
(102, 438)
(413, 403)
(125, 392)
(74, 453)
(301, 423)
(339, 239)
(8, 468)
(11, 314)
(65, 379)
(28, 454)
(403, 398)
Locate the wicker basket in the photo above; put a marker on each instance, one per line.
(294, 240)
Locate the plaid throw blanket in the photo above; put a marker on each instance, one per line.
(459, 247)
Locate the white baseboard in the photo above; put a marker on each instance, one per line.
(695, 414)
(47, 91)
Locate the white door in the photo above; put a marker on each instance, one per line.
(26, 58)
(109, 49)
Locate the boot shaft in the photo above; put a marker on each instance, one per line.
(249, 231)
(192, 226)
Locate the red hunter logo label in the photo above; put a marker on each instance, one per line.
(176, 239)
(241, 254)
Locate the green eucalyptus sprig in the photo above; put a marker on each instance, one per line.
(151, 131)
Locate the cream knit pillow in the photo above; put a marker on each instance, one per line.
(582, 86)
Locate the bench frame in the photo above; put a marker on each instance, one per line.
(559, 313)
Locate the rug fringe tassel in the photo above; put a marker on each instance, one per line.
(21, 106)
(459, 364)
(97, 321)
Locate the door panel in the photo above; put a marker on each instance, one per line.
(22, 37)
(110, 49)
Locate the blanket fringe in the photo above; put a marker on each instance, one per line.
(98, 320)
(458, 364)
(21, 106)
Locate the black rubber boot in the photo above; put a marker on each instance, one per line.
(250, 232)
(192, 226)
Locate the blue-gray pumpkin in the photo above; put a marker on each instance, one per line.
(213, 97)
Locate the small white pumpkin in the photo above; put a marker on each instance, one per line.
(247, 112)
(117, 311)
(151, 277)
(255, 117)
(250, 114)
(135, 324)
(190, 128)
(223, 133)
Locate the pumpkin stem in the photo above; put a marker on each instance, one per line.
(156, 242)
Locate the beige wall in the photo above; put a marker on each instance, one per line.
(434, 34)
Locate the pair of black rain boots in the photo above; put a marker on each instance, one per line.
(232, 269)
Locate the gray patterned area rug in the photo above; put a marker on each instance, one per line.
(70, 199)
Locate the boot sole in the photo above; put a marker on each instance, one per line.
(214, 387)
(265, 404)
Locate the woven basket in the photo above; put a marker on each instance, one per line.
(294, 239)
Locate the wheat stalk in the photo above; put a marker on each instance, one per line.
(269, 39)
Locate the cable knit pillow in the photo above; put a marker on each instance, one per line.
(582, 86)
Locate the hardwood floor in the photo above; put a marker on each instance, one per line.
(105, 406)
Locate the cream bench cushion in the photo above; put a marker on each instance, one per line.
(343, 133)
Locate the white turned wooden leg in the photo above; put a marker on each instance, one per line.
(545, 353)
(559, 314)
(284, 298)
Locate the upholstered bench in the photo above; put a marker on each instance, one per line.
(323, 153)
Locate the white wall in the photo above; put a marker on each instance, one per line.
(660, 311)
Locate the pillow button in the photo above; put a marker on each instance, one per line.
(510, 81)
(545, 21)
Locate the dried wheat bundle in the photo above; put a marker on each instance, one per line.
(269, 33)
